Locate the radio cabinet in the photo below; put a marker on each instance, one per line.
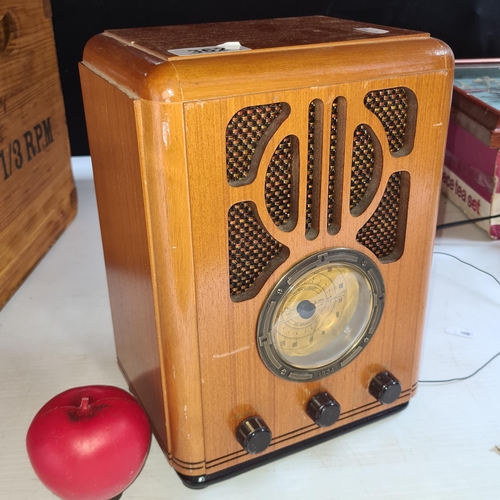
(267, 216)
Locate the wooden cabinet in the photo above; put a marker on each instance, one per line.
(218, 173)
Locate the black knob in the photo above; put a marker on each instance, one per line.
(254, 435)
(385, 388)
(323, 409)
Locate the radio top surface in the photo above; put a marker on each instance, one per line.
(214, 60)
(171, 41)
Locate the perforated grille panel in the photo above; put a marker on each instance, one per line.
(391, 108)
(279, 178)
(380, 232)
(244, 131)
(363, 161)
(251, 249)
(332, 163)
(253, 253)
(310, 164)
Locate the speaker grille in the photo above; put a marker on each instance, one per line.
(311, 139)
(253, 252)
(244, 132)
(385, 229)
(279, 189)
(331, 223)
(391, 108)
(363, 161)
(314, 164)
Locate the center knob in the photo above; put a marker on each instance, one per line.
(306, 309)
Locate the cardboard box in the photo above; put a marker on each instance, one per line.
(37, 191)
(472, 163)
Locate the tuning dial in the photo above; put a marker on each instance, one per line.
(385, 388)
(254, 435)
(323, 409)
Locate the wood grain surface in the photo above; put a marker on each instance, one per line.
(37, 193)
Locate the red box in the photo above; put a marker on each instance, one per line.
(472, 163)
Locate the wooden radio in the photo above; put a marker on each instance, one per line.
(267, 194)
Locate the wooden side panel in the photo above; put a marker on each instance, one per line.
(116, 160)
(142, 192)
(161, 134)
(37, 192)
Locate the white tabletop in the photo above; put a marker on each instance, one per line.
(56, 333)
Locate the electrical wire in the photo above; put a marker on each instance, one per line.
(469, 264)
(458, 379)
(447, 225)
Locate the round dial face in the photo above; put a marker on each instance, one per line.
(320, 315)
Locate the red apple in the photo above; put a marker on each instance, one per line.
(89, 443)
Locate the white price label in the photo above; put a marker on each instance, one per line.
(214, 49)
(460, 332)
(373, 31)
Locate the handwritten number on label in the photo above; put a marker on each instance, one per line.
(208, 50)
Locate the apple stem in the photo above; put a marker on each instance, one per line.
(84, 405)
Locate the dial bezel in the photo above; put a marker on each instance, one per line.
(267, 350)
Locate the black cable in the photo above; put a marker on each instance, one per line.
(468, 264)
(465, 221)
(457, 379)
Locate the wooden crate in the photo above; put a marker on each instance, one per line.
(37, 191)
(229, 177)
